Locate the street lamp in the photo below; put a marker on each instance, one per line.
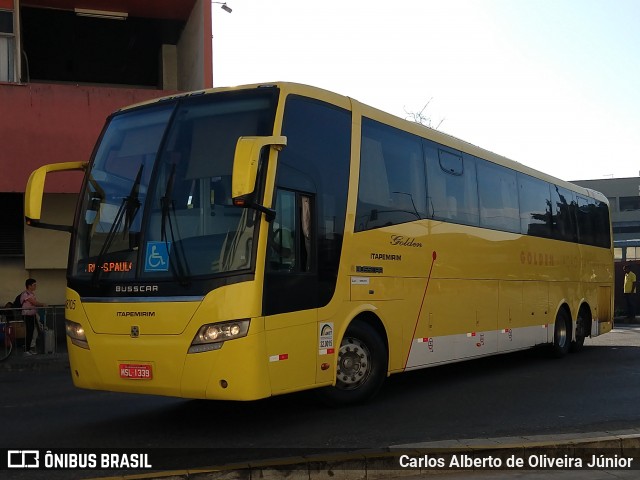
(224, 6)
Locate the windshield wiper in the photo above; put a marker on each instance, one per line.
(127, 212)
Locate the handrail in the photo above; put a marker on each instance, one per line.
(51, 317)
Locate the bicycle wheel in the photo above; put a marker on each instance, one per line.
(6, 345)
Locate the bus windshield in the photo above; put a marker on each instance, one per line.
(157, 200)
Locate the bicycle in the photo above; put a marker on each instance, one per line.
(6, 339)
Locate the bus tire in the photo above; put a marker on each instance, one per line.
(561, 335)
(361, 367)
(581, 332)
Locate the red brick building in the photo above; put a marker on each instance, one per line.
(65, 65)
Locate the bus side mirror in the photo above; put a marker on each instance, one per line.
(245, 164)
(35, 191)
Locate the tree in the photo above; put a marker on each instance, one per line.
(422, 117)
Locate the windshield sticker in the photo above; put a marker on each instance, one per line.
(157, 257)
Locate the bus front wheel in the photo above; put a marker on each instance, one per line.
(361, 368)
(561, 335)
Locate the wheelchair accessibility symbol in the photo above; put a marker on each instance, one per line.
(157, 257)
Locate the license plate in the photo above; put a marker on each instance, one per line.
(135, 371)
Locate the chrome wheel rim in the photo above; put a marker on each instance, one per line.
(561, 333)
(354, 364)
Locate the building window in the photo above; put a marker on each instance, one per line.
(629, 204)
(7, 47)
(12, 221)
(633, 253)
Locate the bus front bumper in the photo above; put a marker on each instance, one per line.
(162, 366)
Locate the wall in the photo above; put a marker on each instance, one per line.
(194, 51)
(46, 253)
(50, 123)
(51, 283)
(48, 249)
(12, 278)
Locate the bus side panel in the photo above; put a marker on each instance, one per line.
(604, 310)
(459, 320)
(509, 317)
(535, 312)
(292, 346)
(598, 278)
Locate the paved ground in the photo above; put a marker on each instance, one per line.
(532, 452)
(448, 460)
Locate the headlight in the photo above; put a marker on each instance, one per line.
(76, 333)
(213, 335)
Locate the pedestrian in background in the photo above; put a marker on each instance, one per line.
(629, 291)
(30, 305)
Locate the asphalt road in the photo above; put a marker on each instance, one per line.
(526, 393)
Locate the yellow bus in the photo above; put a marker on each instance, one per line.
(239, 243)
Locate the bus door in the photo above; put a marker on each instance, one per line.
(290, 291)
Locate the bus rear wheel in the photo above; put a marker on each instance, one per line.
(561, 335)
(362, 366)
(582, 331)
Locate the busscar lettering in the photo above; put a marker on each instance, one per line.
(136, 288)
(135, 314)
(368, 269)
(386, 256)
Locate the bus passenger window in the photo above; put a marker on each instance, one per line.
(452, 186)
(392, 186)
(498, 192)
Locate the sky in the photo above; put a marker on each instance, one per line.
(552, 84)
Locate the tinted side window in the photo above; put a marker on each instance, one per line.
(453, 189)
(595, 217)
(563, 214)
(535, 206)
(586, 211)
(451, 162)
(602, 225)
(593, 222)
(392, 177)
(498, 192)
(281, 253)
